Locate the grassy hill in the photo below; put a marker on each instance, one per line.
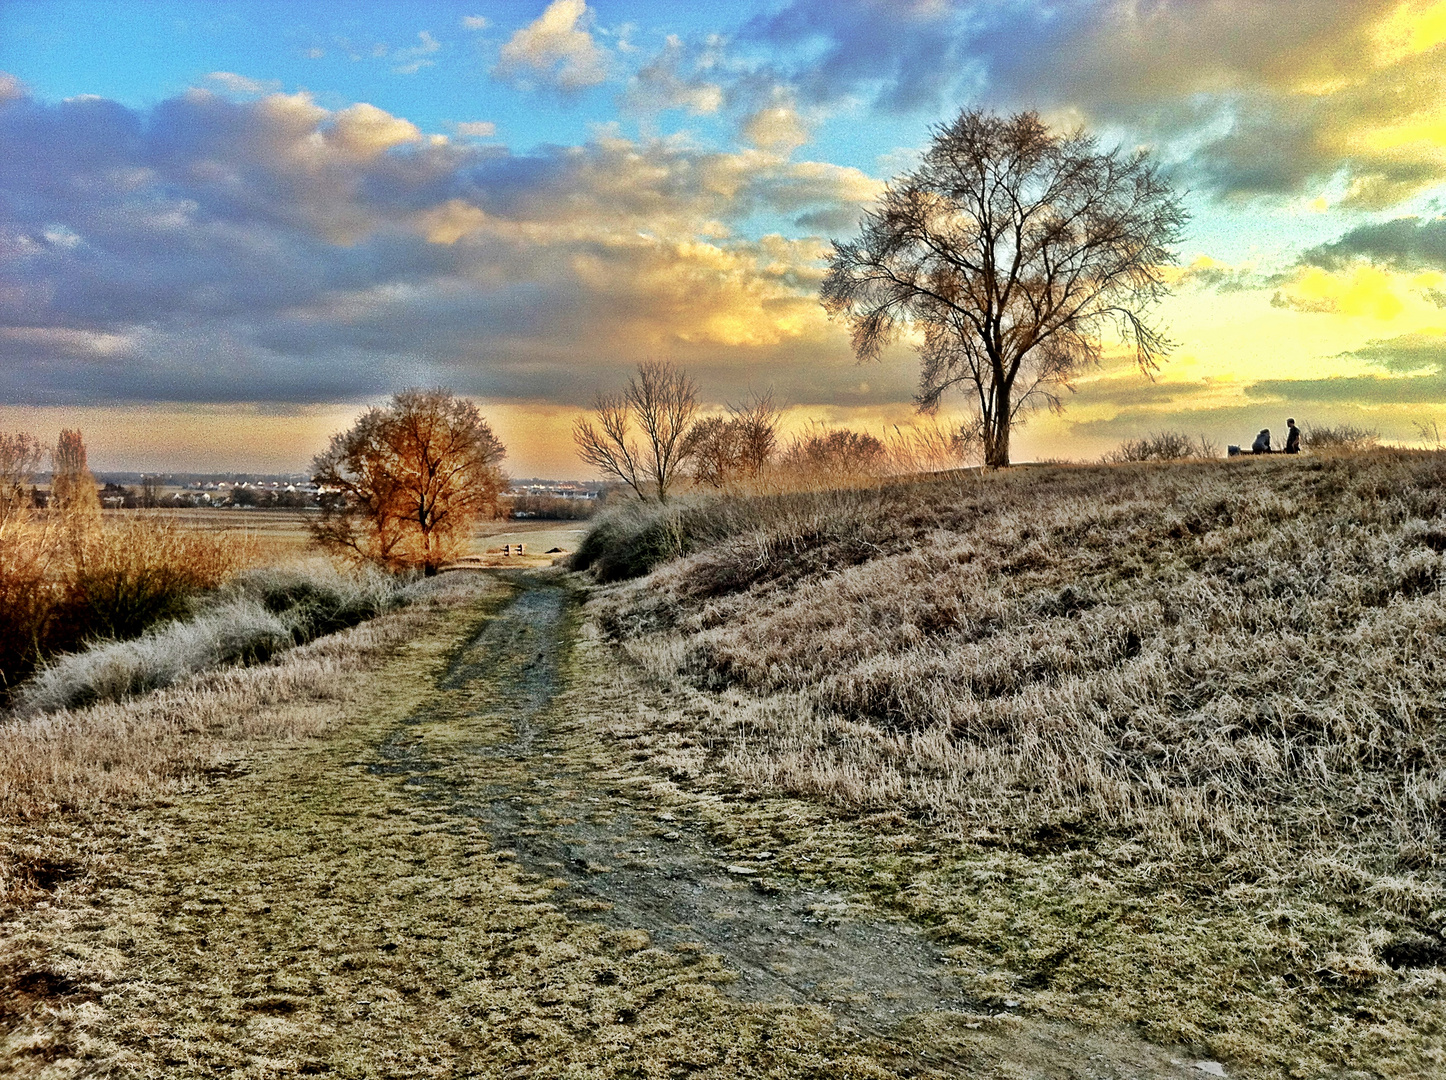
(1158, 744)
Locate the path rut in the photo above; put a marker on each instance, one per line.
(662, 876)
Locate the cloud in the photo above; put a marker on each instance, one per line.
(1406, 243)
(1409, 354)
(1358, 390)
(211, 249)
(556, 50)
(1273, 97)
(240, 84)
(778, 128)
(903, 55)
(475, 129)
(475, 22)
(679, 77)
(411, 60)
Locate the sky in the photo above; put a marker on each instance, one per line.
(225, 229)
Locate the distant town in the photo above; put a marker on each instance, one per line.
(530, 497)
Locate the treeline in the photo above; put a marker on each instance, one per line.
(649, 437)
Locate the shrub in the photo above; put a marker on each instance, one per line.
(319, 601)
(257, 615)
(29, 595)
(240, 631)
(130, 576)
(1163, 446)
(1341, 437)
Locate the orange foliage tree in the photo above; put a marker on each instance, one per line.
(409, 481)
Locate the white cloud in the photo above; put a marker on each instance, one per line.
(556, 50)
(410, 61)
(476, 129)
(240, 84)
(474, 22)
(676, 79)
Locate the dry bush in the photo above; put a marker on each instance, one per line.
(65, 580)
(78, 760)
(1163, 446)
(1224, 662)
(30, 592)
(1340, 438)
(258, 615)
(131, 574)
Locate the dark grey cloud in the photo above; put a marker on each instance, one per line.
(272, 250)
(1409, 353)
(1406, 243)
(905, 54)
(1361, 390)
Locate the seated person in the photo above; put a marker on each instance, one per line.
(1261, 445)
(1292, 437)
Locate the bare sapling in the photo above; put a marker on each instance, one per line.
(639, 436)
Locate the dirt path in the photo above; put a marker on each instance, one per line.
(646, 871)
(631, 864)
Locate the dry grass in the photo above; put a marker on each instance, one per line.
(1163, 650)
(79, 760)
(1163, 446)
(66, 581)
(1227, 677)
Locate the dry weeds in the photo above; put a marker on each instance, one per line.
(1220, 680)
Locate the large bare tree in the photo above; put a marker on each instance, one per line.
(1010, 251)
(409, 481)
(640, 434)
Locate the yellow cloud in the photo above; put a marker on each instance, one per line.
(448, 223)
(1362, 291)
(364, 129)
(1413, 27)
(556, 48)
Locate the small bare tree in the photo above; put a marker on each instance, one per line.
(409, 481)
(657, 406)
(20, 457)
(1010, 249)
(738, 446)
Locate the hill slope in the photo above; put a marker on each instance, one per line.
(1169, 736)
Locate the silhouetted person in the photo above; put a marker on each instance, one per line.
(1261, 445)
(1292, 437)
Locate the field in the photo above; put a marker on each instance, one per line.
(282, 534)
(1064, 772)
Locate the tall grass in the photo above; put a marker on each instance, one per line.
(258, 615)
(1163, 446)
(1339, 437)
(1209, 660)
(66, 579)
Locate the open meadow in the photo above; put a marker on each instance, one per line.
(1062, 771)
(282, 535)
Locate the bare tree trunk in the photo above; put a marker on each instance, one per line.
(996, 433)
